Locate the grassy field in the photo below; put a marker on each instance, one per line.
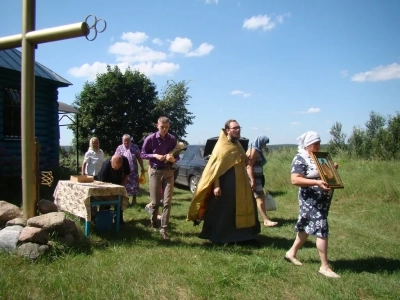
(137, 264)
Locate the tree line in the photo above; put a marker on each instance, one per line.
(119, 103)
(380, 139)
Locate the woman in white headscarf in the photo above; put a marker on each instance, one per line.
(314, 201)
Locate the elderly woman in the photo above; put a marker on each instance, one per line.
(132, 153)
(93, 159)
(257, 161)
(314, 201)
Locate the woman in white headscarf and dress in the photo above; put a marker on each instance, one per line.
(314, 200)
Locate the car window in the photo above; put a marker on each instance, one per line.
(190, 153)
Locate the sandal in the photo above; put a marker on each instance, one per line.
(293, 260)
(270, 223)
(328, 273)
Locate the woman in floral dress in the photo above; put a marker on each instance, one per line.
(314, 201)
(132, 153)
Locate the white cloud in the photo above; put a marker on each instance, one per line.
(126, 52)
(237, 92)
(295, 123)
(181, 45)
(344, 73)
(264, 21)
(162, 68)
(134, 37)
(87, 70)
(204, 49)
(212, 1)
(131, 51)
(148, 68)
(380, 73)
(311, 110)
(157, 41)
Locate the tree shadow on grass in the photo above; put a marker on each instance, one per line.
(374, 264)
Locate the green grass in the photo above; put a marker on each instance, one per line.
(363, 248)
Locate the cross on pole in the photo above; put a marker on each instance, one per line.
(28, 40)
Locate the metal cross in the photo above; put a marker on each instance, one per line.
(28, 40)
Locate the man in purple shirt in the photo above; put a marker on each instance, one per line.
(156, 148)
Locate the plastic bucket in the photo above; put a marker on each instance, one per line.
(104, 219)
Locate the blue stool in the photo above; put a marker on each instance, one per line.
(104, 220)
(116, 202)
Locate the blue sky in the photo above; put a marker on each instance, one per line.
(278, 67)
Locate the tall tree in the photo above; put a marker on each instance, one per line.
(392, 141)
(375, 124)
(338, 138)
(358, 143)
(173, 104)
(114, 104)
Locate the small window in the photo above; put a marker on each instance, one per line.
(12, 113)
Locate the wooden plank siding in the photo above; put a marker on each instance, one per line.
(46, 124)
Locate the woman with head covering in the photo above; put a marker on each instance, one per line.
(93, 159)
(314, 201)
(132, 153)
(257, 161)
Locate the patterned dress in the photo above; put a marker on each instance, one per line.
(314, 202)
(258, 176)
(132, 184)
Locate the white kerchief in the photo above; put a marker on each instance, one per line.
(308, 138)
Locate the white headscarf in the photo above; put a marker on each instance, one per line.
(308, 138)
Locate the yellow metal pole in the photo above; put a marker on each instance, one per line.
(58, 33)
(29, 187)
(9, 42)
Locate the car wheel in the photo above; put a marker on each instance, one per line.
(194, 180)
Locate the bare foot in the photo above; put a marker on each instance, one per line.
(270, 223)
(293, 260)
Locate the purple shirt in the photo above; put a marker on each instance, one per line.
(154, 144)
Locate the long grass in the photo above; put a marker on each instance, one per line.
(364, 248)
